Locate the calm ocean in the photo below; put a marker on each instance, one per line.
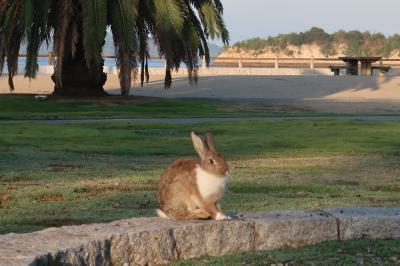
(107, 62)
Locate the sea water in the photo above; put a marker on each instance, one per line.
(107, 62)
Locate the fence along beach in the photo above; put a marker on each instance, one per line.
(228, 66)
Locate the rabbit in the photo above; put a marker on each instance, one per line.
(190, 189)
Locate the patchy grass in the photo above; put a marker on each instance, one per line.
(53, 175)
(241, 139)
(356, 252)
(135, 107)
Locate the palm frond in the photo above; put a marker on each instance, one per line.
(191, 44)
(204, 50)
(213, 22)
(179, 28)
(169, 17)
(27, 15)
(168, 21)
(123, 14)
(144, 54)
(94, 23)
(36, 33)
(13, 37)
(2, 46)
(2, 52)
(12, 57)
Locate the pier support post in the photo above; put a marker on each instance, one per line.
(203, 62)
(240, 63)
(50, 59)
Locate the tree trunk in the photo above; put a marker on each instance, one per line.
(77, 78)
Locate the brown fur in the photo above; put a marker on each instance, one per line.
(178, 193)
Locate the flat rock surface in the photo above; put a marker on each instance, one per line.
(374, 223)
(292, 229)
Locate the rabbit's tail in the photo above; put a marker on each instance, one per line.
(161, 214)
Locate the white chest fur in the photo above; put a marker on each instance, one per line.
(209, 184)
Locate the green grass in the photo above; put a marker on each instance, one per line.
(255, 138)
(356, 252)
(26, 107)
(52, 175)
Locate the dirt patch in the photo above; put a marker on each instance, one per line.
(259, 107)
(60, 168)
(382, 202)
(345, 182)
(96, 191)
(72, 166)
(152, 181)
(56, 169)
(4, 198)
(107, 100)
(56, 222)
(51, 197)
(101, 100)
(21, 178)
(387, 188)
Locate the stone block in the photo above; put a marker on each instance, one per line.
(371, 223)
(213, 238)
(292, 229)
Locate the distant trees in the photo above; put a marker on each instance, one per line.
(252, 44)
(357, 43)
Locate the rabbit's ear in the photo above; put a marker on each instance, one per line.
(198, 145)
(210, 141)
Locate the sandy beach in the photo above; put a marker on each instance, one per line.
(322, 93)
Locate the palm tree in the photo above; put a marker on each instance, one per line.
(77, 29)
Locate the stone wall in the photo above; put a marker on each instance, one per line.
(150, 241)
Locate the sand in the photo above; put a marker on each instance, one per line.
(322, 93)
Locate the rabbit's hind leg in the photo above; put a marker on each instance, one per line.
(199, 214)
(185, 214)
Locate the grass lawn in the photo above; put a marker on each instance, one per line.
(135, 107)
(53, 175)
(357, 252)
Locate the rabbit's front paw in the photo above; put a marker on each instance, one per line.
(220, 217)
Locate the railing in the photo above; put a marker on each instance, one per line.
(290, 62)
(276, 62)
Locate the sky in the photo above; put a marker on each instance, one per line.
(261, 18)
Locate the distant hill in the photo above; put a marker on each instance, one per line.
(215, 50)
(108, 49)
(318, 43)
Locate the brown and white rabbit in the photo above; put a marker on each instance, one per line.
(190, 189)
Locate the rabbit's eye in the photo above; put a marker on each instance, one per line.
(211, 161)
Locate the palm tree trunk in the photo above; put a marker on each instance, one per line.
(77, 78)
